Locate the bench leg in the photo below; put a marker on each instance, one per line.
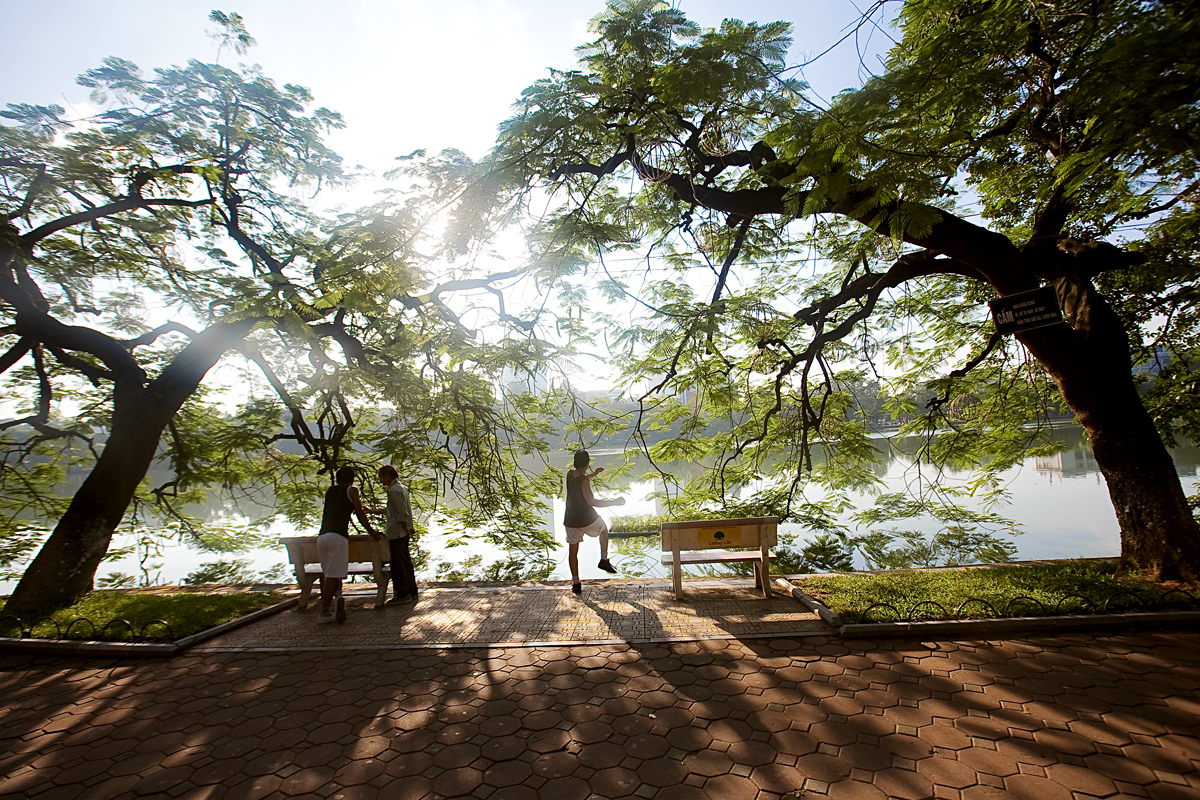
(677, 573)
(765, 572)
(306, 582)
(381, 582)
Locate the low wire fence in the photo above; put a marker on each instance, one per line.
(83, 628)
(1123, 601)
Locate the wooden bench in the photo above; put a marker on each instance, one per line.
(367, 557)
(703, 536)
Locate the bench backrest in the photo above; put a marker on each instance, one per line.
(720, 533)
(303, 549)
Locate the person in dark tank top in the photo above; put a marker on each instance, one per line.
(333, 542)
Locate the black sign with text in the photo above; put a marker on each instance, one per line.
(1027, 310)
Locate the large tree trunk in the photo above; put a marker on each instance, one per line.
(1090, 362)
(65, 567)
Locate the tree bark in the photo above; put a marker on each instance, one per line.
(65, 567)
(1089, 360)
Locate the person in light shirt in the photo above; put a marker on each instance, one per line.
(399, 529)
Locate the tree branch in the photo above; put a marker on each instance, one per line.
(15, 354)
(937, 402)
(99, 212)
(151, 336)
(302, 433)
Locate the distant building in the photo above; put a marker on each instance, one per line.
(1154, 364)
(1068, 464)
(536, 382)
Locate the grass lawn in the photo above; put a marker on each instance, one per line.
(1063, 587)
(185, 612)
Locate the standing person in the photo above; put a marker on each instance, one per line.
(333, 543)
(581, 517)
(399, 529)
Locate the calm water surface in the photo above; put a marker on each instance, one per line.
(1061, 502)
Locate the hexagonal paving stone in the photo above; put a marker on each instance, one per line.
(837, 734)
(856, 790)
(779, 778)
(591, 732)
(947, 772)
(865, 756)
(900, 784)
(552, 765)
(823, 767)
(731, 787)
(708, 763)
(570, 788)
(1065, 742)
(647, 745)
(457, 755)
(1081, 779)
(463, 780)
(990, 762)
(614, 782)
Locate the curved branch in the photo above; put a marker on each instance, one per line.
(599, 170)
(59, 337)
(995, 339)
(100, 212)
(151, 336)
(40, 419)
(351, 346)
(912, 265)
(89, 370)
(301, 432)
(35, 186)
(15, 354)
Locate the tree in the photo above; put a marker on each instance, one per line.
(190, 191)
(1005, 146)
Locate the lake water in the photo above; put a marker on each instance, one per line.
(1061, 502)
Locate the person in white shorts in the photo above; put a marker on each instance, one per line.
(333, 543)
(580, 517)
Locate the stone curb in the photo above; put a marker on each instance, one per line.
(86, 649)
(811, 603)
(994, 628)
(991, 628)
(548, 644)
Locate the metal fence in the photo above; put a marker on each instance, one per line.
(1119, 602)
(156, 630)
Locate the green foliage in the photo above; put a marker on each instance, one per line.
(234, 571)
(635, 523)
(777, 249)
(513, 569)
(116, 580)
(825, 553)
(189, 197)
(955, 546)
(1023, 586)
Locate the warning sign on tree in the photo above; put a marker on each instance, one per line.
(1026, 310)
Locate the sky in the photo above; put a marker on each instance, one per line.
(405, 74)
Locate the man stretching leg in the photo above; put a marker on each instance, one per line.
(581, 518)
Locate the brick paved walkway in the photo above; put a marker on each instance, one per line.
(812, 716)
(607, 611)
